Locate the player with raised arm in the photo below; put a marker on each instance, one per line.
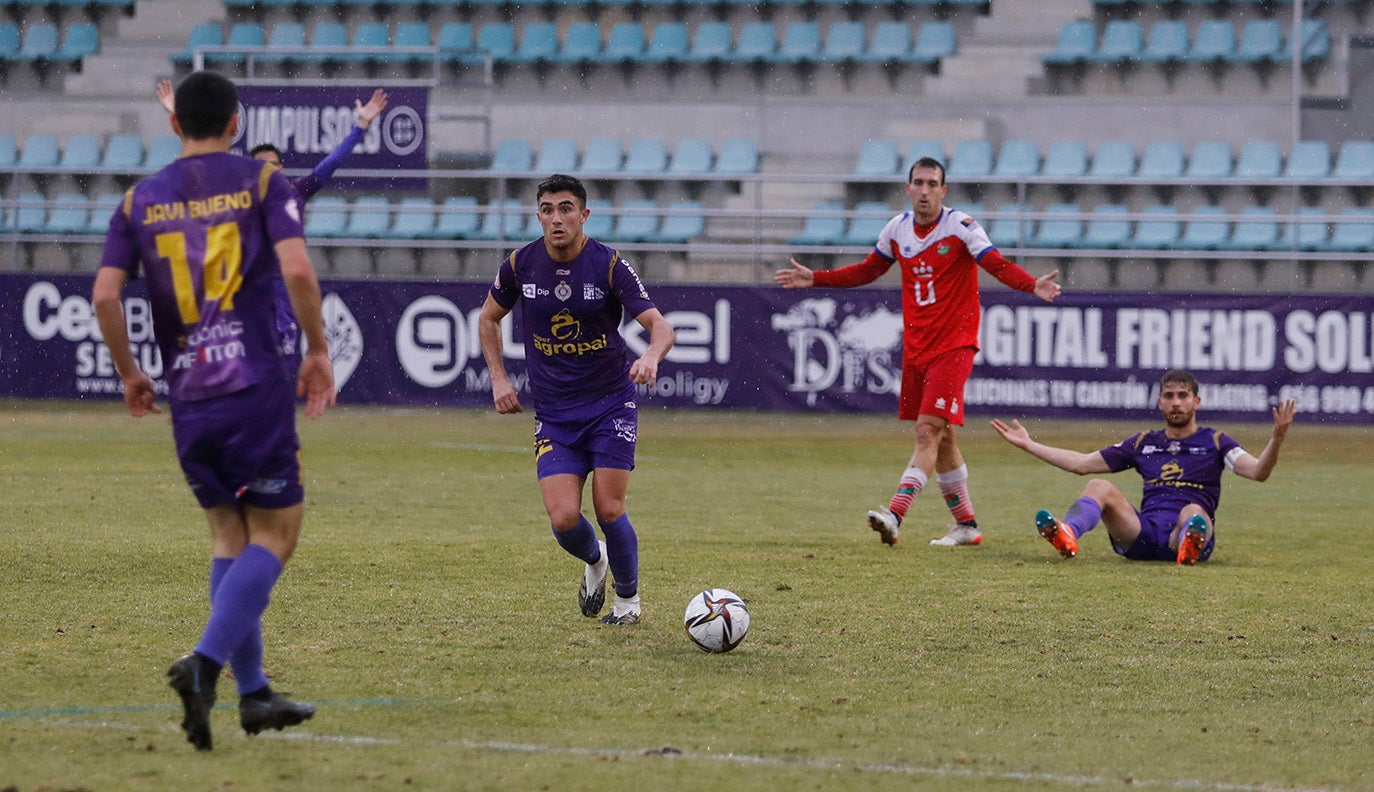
(207, 232)
(573, 292)
(938, 251)
(1181, 465)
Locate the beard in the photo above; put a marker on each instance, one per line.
(1178, 419)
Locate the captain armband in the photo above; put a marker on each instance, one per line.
(1232, 456)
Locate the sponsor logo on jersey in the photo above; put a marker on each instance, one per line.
(1171, 472)
(968, 222)
(528, 289)
(564, 326)
(591, 292)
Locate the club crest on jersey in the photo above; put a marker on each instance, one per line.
(923, 271)
(943, 249)
(562, 291)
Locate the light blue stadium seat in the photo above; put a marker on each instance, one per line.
(497, 39)
(326, 218)
(581, 44)
(935, 42)
(1017, 158)
(1160, 231)
(102, 212)
(757, 43)
(890, 44)
(625, 44)
(711, 43)
(9, 150)
(328, 35)
(737, 156)
(556, 155)
(1258, 230)
(1168, 42)
(1355, 162)
(161, 151)
(204, 34)
(971, 158)
(70, 214)
(455, 42)
(1316, 42)
(682, 223)
(408, 35)
(513, 155)
(458, 218)
(1066, 159)
(242, 34)
(647, 156)
(369, 35)
(1060, 229)
(602, 155)
(1203, 232)
(1122, 42)
(1312, 234)
(866, 223)
(1076, 44)
(919, 149)
(505, 220)
(877, 159)
(821, 228)
(368, 218)
(79, 40)
(40, 151)
(844, 44)
(668, 44)
(9, 41)
(1011, 227)
(637, 222)
(801, 44)
(1215, 41)
(284, 34)
(1309, 160)
(1353, 237)
(538, 44)
(414, 219)
(1259, 159)
(1261, 41)
(31, 215)
(691, 156)
(81, 153)
(1163, 159)
(600, 222)
(1107, 227)
(39, 43)
(1211, 159)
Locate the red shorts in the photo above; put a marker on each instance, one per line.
(937, 386)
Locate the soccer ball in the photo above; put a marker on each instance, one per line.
(716, 620)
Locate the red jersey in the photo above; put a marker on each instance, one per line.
(939, 265)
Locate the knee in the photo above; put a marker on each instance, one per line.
(564, 519)
(1101, 490)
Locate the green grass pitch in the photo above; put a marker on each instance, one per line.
(433, 619)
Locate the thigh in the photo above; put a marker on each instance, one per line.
(937, 386)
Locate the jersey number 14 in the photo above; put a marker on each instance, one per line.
(221, 270)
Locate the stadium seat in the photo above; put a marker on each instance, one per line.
(844, 44)
(866, 222)
(497, 39)
(691, 156)
(647, 156)
(1311, 233)
(668, 44)
(600, 222)
(935, 42)
(625, 44)
(414, 219)
(455, 43)
(9, 150)
(821, 227)
(758, 43)
(1215, 42)
(503, 220)
(40, 151)
(368, 218)
(801, 44)
(102, 212)
(458, 218)
(557, 155)
(1261, 42)
(284, 35)
(70, 214)
(711, 43)
(890, 44)
(161, 151)
(1352, 237)
(1258, 230)
(1160, 231)
(538, 44)
(1066, 159)
(242, 34)
(602, 155)
(581, 44)
(329, 41)
(9, 41)
(1076, 44)
(81, 153)
(204, 34)
(1211, 159)
(39, 44)
(1011, 227)
(367, 38)
(919, 149)
(1061, 228)
(971, 158)
(326, 217)
(1316, 42)
(79, 40)
(682, 223)
(412, 36)
(1163, 159)
(737, 156)
(1108, 228)
(513, 155)
(1310, 160)
(1122, 42)
(1355, 161)
(637, 222)
(1168, 42)
(1017, 158)
(877, 159)
(31, 214)
(1203, 232)
(1259, 159)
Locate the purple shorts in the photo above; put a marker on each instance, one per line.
(241, 448)
(1153, 542)
(605, 439)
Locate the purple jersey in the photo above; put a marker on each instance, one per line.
(203, 229)
(1177, 472)
(571, 313)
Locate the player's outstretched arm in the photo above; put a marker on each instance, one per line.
(373, 108)
(795, 276)
(166, 96)
(106, 297)
(1259, 468)
(503, 394)
(1047, 288)
(1062, 458)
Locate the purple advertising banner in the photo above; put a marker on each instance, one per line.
(1086, 356)
(306, 123)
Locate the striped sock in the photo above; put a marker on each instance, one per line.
(954, 489)
(913, 481)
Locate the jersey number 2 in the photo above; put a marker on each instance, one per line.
(221, 271)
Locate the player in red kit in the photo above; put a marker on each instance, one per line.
(939, 250)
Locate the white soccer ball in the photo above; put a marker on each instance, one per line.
(716, 620)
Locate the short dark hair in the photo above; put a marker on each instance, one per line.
(560, 182)
(261, 147)
(204, 103)
(926, 162)
(1179, 377)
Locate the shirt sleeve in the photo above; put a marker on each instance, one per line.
(1121, 456)
(866, 271)
(316, 180)
(505, 290)
(628, 288)
(1006, 271)
(281, 208)
(121, 243)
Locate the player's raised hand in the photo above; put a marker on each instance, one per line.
(139, 395)
(316, 383)
(1283, 416)
(795, 276)
(1016, 434)
(373, 108)
(1046, 288)
(166, 96)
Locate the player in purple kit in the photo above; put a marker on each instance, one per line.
(573, 292)
(207, 232)
(1181, 466)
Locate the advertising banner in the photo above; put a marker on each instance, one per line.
(1095, 356)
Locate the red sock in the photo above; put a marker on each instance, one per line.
(913, 481)
(954, 488)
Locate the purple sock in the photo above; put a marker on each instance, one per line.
(246, 659)
(1083, 515)
(240, 598)
(622, 547)
(580, 541)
